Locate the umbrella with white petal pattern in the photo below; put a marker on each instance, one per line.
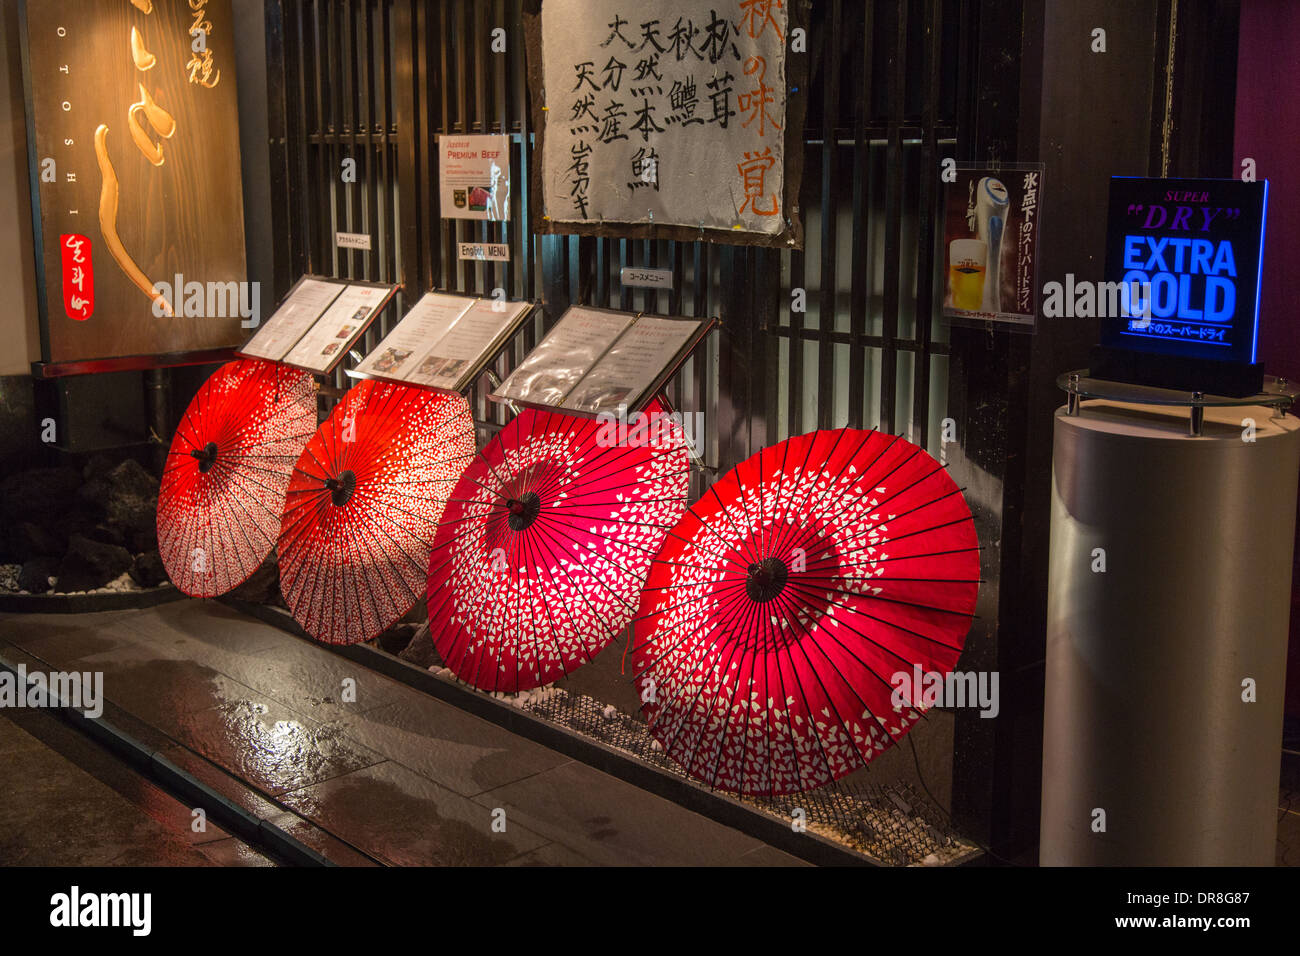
(783, 607)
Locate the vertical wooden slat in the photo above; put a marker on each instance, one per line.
(926, 223)
(283, 209)
(829, 209)
(897, 86)
(408, 71)
(860, 283)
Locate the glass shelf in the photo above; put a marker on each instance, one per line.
(1278, 394)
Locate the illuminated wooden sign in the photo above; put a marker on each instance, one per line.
(133, 144)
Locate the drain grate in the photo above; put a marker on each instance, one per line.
(891, 824)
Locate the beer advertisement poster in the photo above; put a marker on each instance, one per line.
(990, 244)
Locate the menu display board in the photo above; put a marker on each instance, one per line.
(560, 361)
(456, 359)
(445, 341)
(632, 364)
(598, 360)
(325, 343)
(305, 303)
(402, 349)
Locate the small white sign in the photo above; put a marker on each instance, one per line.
(485, 251)
(646, 278)
(352, 240)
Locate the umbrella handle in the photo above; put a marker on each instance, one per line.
(207, 456)
(342, 487)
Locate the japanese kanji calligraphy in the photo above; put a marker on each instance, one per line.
(668, 118)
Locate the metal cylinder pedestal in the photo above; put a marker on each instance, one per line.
(1168, 606)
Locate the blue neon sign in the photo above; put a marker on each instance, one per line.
(1198, 245)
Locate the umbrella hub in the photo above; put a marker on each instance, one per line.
(523, 510)
(342, 487)
(766, 579)
(207, 456)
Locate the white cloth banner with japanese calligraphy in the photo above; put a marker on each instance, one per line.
(672, 114)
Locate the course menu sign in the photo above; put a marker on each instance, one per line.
(1197, 244)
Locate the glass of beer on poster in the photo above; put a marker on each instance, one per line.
(966, 265)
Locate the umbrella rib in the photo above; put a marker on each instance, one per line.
(817, 506)
(926, 530)
(836, 477)
(371, 518)
(310, 596)
(875, 597)
(786, 697)
(803, 507)
(605, 624)
(628, 571)
(724, 557)
(812, 718)
(294, 564)
(899, 627)
(683, 713)
(878, 506)
(673, 629)
(737, 647)
(746, 706)
(770, 538)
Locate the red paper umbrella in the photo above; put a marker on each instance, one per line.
(783, 608)
(540, 557)
(223, 484)
(363, 506)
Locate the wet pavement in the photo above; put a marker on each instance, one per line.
(362, 768)
(63, 802)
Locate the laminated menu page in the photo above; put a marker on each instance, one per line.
(565, 356)
(323, 346)
(633, 365)
(404, 348)
(302, 307)
(458, 357)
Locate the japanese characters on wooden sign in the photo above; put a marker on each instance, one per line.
(137, 202)
(681, 120)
